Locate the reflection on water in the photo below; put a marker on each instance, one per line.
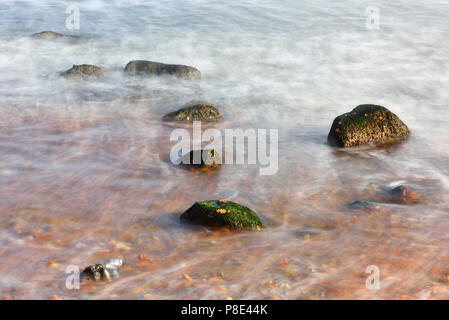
(85, 176)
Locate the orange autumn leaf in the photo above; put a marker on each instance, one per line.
(53, 264)
(143, 257)
(187, 277)
(283, 262)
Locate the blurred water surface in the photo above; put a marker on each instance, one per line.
(84, 169)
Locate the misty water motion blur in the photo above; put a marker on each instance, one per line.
(85, 174)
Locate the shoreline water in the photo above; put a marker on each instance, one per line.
(85, 173)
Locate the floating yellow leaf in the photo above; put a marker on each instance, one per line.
(187, 277)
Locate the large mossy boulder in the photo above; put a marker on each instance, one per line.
(194, 111)
(367, 124)
(142, 68)
(204, 158)
(84, 71)
(222, 213)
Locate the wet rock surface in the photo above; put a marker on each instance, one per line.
(406, 194)
(148, 68)
(222, 213)
(96, 272)
(84, 71)
(51, 35)
(48, 35)
(367, 124)
(366, 205)
(103, 271)
(204, 158)
(194, 111)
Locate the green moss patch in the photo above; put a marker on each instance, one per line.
(222, 213)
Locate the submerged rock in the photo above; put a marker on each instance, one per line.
(142, 67)
(222, 213)
(366, 205)
(205, 158)
(405, 194)
(48, 35)
(367, 124)
(84, 71)
(194, 111)
(105, 271)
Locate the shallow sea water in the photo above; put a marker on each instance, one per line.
(84, 166)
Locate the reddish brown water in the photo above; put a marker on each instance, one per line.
(84, 166)
(79, 191)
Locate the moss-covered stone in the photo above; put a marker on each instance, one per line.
(222, 213)
(48, 35)
(367, 124)
(194, 111)
(142, 67)
(205, 158)
(84, 71)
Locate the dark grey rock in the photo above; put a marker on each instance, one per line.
(205, 158)
(142, 67)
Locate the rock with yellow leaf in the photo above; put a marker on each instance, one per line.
(222, 213)
(367, 124)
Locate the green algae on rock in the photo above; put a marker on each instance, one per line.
(194, 111)
(367, 124)
(84, 71)
(205, 158)
(142, 67)
(222, 213)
